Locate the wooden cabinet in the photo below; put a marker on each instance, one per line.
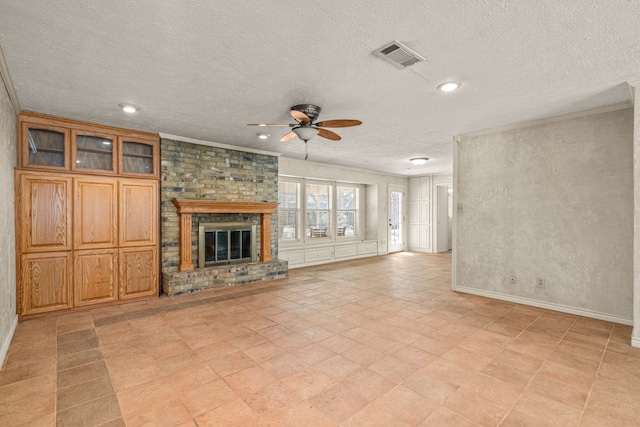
(96, 211)
(93, 151)
(87, 218)
(138, 272)
(45, 213)
(138, 213)
(44, 145)
(55, 143)
(139, 157)
(47, 282)
(95, 277)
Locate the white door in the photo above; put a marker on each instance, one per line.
(443, 237)
(396, 218)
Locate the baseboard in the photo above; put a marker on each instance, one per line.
(548, 306)
(635, 341)
(4, 349)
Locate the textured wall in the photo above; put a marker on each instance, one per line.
(7, 224)
(551, 200)
(635, 338)
(191, 171)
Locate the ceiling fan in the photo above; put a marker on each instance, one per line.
(306, 127)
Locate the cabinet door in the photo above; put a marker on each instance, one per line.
(93, 152)
(96, 213)
(138, 213)
(44, 146)
(139, 157)
(45, 213)
(45, 282)
(95, 276)
(138, 272)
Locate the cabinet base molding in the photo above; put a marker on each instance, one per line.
(84, 308)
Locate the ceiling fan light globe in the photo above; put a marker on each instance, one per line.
(305, 133)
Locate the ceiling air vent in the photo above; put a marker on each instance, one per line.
(398, 54)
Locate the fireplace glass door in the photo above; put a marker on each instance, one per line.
(225, 243)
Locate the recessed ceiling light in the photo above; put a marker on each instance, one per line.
(128, 108)
(419, 161)
(263, 135)
(449, 86)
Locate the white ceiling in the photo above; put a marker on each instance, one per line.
(204, 69)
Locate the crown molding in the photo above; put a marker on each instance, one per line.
(547, 120)
(217, 144)
(8, 84)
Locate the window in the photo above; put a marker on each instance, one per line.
(318, 207)
(315, 211)
(347, 210)
(288, 210)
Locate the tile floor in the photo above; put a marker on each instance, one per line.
(374, 342)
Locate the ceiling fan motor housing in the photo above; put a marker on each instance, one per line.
(312, 111)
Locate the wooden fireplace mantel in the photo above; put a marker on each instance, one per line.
(187, 207)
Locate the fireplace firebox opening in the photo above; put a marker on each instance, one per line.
(226, 243)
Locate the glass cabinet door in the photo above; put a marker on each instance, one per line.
(93, 151)
(138, 157)
(45, 147)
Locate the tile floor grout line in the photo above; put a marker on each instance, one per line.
(604, 352)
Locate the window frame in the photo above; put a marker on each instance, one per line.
(328, 232)
(356, 210)
(297, 211)
(331, 232)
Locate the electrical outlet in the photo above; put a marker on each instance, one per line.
(540, 283)
(512, 279)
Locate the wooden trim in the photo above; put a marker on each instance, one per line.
(187, 207)
(83, 126)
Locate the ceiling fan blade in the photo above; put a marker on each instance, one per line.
(265, 124)
(288, 136)
(300, 116)
(328, 134)
(338, 123)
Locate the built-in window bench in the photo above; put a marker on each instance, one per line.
(300, 255)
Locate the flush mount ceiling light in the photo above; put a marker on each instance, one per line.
(419, 161)
(449, 86)
(128, 108)
(262, 135)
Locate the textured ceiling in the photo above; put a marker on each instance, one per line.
(203, 69)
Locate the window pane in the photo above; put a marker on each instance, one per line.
(287, 224)
(346, 223)
(317, 196)
(346, 198)
(317, 224)
(347, 214)
(288, 208)
(288, 195)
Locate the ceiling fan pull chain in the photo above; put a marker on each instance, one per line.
(306, 150)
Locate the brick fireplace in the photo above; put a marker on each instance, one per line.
(216, 184)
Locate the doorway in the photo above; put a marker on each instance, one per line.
(444, 217)
(396, 218)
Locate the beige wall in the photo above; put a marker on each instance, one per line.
(550, 200)
(8, 318)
